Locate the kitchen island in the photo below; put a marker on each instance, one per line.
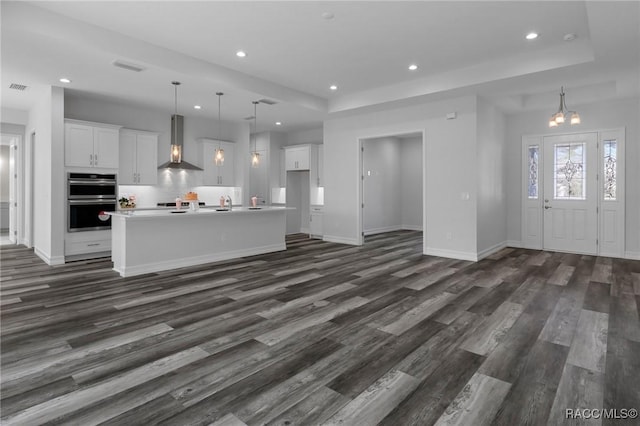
(145, 241)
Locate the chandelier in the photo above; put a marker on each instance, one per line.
(563, 113)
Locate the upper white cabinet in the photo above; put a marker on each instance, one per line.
(297, 157)
(90, 144)
(220, 175)
(138, 158)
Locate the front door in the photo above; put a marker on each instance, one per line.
(570, 193)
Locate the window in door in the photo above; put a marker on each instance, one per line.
(610, 169)
(570, 171)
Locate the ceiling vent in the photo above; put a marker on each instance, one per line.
(267, 101)
(128, 66)
(18, 86)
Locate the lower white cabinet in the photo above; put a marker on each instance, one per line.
(87, 244)
(315, 222)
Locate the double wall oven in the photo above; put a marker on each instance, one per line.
(88, 195)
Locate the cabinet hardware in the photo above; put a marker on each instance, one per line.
(93, 244)
(91, 159)
(95, 159)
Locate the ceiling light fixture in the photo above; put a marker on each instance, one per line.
(531, 36)
(563, 113)
(255, 157)
(278, 123)
(570, 37)
(333, 87)
(219, 156)
(65, 80)
(197, 107)
(413, 67)
(327, 15)
(241, 54)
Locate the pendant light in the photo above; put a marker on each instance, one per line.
(219, 155)
(176, 150)
(563, 113)
(255, 157)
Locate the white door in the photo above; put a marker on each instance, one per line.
(570, 193)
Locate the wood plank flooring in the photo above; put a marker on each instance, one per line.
(322, 333)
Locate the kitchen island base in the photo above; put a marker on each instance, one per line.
(158, 241)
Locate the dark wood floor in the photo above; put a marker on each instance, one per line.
(322, 334)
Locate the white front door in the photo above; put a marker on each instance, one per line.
(570, 193)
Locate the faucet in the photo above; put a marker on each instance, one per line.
(230, 203)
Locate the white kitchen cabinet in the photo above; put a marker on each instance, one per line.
(88, 244)
(315, 222)
(219, 175)
(138, 158)
(297, 157)
(89, 144)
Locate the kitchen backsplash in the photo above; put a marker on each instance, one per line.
(174, 183)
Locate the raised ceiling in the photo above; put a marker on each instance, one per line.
(295, 54)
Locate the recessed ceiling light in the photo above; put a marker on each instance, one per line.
(413, 67)
(531, 36)
(241, 54)
(197, 107)
(570, 37)
(327, 15)
(65, 80)
(278, 123)
(333, 87)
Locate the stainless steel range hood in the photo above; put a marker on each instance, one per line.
(177, 140)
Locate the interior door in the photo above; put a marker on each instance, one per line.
(570, 193)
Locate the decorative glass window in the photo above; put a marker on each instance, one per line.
(569, 172)
(532, 183)
(610, 150)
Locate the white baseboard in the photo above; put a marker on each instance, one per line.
(633, 255)
(49, 260)
(382, 230)
(452, 254)
(491, 250)
(514, 244)
(193, 261)
(341, 240)
(412, 227)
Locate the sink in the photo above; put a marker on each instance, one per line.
(255, 208)
(178, 211)
(222, 210)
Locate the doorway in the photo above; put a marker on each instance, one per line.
(9, 193)
(573, 187)
(391, 184)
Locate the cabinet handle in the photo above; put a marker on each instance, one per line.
(91, 159)
(93, 244)
(95, 160)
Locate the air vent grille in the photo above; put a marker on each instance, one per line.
(267, 101)
(128, 66)
(18, 86)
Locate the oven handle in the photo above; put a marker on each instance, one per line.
(104, 201)
(93, 182)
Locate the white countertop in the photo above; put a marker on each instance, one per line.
(206, 210)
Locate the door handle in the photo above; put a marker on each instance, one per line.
(547, 207)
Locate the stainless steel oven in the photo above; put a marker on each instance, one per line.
(88, 195)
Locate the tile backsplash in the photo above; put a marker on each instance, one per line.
(174, 183)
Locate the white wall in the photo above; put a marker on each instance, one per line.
(492, 194)
(382, 185)
(4, 173)
(450, 164)
(595, 116)
(411, 183)
(46, 119)
(304, 137)
(13, 116)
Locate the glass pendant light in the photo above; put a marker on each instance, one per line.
(563, 113)
(219, 155)
(176, 150)
(255, 157)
